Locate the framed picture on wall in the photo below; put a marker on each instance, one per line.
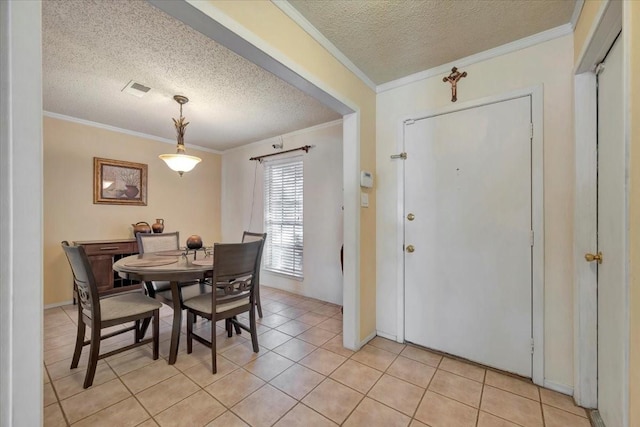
(116, 182)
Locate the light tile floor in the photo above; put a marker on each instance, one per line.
(302, 376)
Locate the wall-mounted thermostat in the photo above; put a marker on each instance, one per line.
(366, 179)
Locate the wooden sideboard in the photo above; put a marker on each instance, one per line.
(102, 254)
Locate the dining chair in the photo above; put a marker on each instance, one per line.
(249, 236)
(161, 290)
(100, 313)
(235, 267)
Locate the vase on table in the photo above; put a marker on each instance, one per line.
(158, 226)
(141, 227)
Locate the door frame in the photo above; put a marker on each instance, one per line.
(537, 213)
(21, 219)
(608, 23)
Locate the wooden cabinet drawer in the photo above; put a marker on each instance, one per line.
(110, 248)
(102, 254)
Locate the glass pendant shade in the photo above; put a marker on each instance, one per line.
(179, 161)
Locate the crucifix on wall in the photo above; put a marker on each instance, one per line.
(453, 78)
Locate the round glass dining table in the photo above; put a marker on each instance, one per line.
(170, 266)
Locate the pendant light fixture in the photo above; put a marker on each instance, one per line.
(180, 162)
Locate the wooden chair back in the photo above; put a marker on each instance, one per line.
(84, 280)
(234, 270)
(248, 236)
(148, 242)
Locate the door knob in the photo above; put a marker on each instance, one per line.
(592, 257)
(410, 249)
(411, 217)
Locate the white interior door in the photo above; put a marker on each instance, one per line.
(468, 281)
(611, 240)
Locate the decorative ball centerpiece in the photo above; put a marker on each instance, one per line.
(194, 242)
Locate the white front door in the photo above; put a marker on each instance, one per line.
(611, 240)
(468, 222)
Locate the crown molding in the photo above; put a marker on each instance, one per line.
(297, 17)
(125, 131)
(277, 138)
(526, 42)
(173, 142)
(577, 10)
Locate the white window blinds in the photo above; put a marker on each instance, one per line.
(283, 195)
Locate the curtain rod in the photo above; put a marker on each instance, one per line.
(304, 148)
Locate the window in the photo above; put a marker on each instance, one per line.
(283, 217)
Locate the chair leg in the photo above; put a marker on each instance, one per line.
(254, 330)
(227, 325)
(144, 328)
(214, 364)
(79, 344)
(190, 320)
(94, 352)
(257, 297)
(234, 321)
(136, 332)
(156, 334)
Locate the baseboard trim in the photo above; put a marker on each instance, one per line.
(368, 338)
(387, 336)
(560, 388)
(58, 304)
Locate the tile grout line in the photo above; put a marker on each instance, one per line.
(108, 406)
(413, 417)
(118, 376)
(202, 388)
(484, 381)
(324, 377)
(366, 394)
(135, 396)
(544, 422)
(55, 392)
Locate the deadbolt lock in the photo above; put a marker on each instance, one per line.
(411, 217)
(410, 248)
(592, 257)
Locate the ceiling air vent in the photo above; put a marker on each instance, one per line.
(136, 89)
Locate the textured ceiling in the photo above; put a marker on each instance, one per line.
(391, 39)
(92, 49)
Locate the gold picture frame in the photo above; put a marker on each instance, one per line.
(116, 182)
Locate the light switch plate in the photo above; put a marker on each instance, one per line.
(364, 200)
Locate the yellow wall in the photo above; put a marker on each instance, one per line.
(633, 26)
(303, 54)
(583, 26)
(190, 205)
